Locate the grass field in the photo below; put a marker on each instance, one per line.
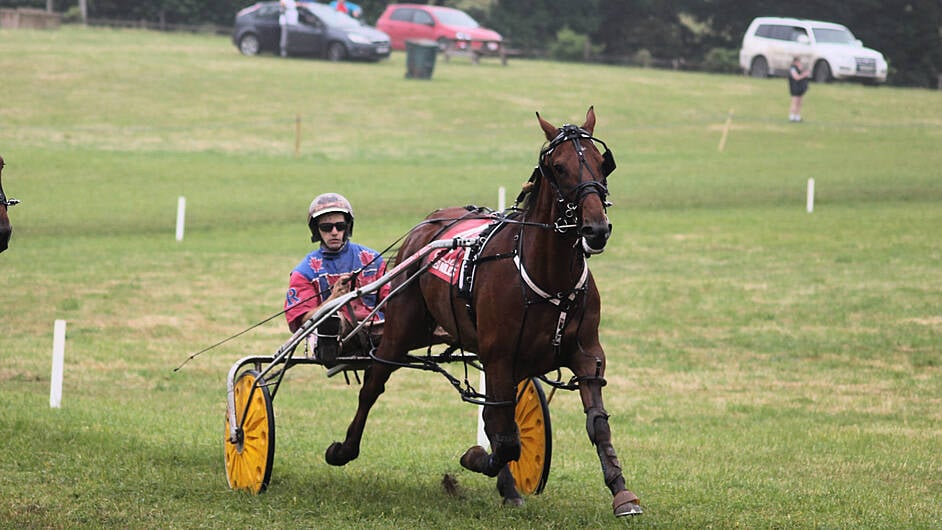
(768, 368)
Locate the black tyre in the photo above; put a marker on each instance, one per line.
(336, 52)
(759, 67)
(822, 72)
(249, 44)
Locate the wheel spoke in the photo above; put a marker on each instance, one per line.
(531, 470)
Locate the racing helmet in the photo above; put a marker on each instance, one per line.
(329, 203)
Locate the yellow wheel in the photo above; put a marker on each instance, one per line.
(531, 470)
(249, 458)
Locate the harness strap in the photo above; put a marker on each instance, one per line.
(556, 300)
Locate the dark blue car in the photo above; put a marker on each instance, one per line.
(321, 32)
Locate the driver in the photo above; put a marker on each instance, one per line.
(327, 273)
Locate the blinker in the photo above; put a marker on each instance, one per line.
(608, 163)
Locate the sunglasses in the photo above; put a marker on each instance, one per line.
(327, 227)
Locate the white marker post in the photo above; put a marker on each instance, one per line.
(181, 215)
(726, 127)
(810, 203)
(482, 436)
(58, 359)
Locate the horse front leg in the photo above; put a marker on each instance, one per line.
(600, 434)
(374, 384)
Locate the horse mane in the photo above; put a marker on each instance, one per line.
(529, 191)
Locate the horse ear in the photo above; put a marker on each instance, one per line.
(548, 129)
(589, 124)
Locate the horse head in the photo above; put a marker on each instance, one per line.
(5, 229)
(578, 176)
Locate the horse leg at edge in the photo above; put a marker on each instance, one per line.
(5, 229)
(600, 434)
(374, 384)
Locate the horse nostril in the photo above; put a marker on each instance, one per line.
(596, 231)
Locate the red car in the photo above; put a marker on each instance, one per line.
(404, 22)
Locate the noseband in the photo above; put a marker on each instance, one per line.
(571, 200)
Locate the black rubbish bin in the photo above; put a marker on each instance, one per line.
(420, 58)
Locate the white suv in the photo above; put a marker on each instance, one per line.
(771, 43)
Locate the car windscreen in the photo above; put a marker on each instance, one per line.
(833, 36)
(331, 17)
(453, 17)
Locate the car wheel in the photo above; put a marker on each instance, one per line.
(759, 68)
(249, 44)
(822, 72)
(336, 52)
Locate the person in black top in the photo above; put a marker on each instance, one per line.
(797, 86)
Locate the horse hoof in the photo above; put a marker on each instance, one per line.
(513, 501)
(335, 455)
(474, 459)
(507, 488)
(629, 508)
(626, 503)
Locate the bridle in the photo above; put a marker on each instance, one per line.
(6, 203)
(570, 200)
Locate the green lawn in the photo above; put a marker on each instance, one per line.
(768, 368)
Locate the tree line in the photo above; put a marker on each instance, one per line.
(695, 34)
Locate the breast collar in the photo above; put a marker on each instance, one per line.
(558, 298)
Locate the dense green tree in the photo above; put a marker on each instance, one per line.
(533, 24)
(628, 27)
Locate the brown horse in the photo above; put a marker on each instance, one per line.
(533, 306)
(5, 229)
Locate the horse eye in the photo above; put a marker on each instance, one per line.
(559, 169)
